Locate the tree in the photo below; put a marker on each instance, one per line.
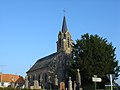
(93, 55)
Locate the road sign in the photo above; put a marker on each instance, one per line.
(108, 76)
(95, 79)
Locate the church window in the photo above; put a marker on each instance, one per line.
(68, 63)
(60, 42)
(64, 35)
(54, 66)
(33, 77)
(28, 78)
(39, 78)
(68, 43)
(45, 77)
(60, 36)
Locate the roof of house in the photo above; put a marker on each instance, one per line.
(11, 78)
(43, 62)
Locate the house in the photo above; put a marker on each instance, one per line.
(10, 80)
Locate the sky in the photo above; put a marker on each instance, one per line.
(29, 28)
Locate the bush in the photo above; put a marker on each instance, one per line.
(9, 88)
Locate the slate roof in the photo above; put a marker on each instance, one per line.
(43, 62)
(64, 25)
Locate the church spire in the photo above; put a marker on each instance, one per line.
(64, 25)
(65, 41)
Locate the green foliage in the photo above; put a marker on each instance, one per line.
(9, 88)
(93, 55)
(114, 88)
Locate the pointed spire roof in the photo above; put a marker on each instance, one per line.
(64, 25)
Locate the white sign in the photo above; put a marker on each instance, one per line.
(113, 76)
(95, 79)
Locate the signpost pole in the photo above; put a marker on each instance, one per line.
(111, 78)
(95, 79)
(95, 76)
(95, 85)
(111, 81)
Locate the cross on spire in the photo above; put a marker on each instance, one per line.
(64, 11)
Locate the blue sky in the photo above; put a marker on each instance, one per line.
(29, 28)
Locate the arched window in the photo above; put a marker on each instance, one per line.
(60, 42)
(33, 77)
(45, 77)
(64, 35)
(28, 78)
(68, 43)
(39, 79)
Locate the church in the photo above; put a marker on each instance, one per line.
(47, 68)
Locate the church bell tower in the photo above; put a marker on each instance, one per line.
(64, 42)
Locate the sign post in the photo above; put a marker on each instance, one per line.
(95, 85)
(111, 82)
(111, 78)
(96, 79)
